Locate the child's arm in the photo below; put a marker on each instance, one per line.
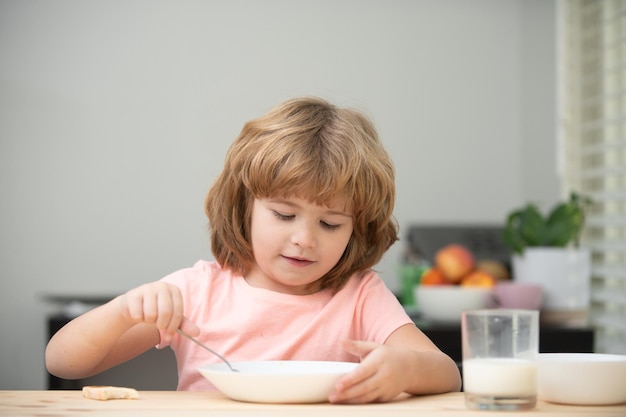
(116, 331)
(407, 362)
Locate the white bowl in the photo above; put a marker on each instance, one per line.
(581, 378)
(445, 303)
(277, 381)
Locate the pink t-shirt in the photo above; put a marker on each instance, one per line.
(245, 323)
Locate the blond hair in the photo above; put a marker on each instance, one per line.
(311, 149)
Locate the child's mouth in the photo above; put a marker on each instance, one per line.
(298, 261)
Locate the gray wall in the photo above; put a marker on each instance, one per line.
(115, 117)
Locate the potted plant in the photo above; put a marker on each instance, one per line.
(546, 250)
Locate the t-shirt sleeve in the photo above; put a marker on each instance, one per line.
(379, 313)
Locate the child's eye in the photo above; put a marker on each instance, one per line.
(330, 226)
(281, 216)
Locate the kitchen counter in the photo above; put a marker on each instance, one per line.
(181, 404)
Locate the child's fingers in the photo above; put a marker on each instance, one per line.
(131, 305)
(359, 348)
(354, 385)
(189, 327)
(157, 303)
(168, 308)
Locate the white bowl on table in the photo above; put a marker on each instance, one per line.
(277, 381)
(581, 378)
(445, 303)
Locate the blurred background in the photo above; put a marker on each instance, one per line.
(115, 118)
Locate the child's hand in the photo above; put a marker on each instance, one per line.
(160, 304)
(381, 376)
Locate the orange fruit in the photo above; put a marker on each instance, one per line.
(434, 276)
(478, 278)
(454, 261)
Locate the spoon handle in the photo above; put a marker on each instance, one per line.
(207, 348)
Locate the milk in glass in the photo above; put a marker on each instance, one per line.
(503, 377)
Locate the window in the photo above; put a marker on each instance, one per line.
(593, 151)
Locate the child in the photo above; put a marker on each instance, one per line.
(299, 215)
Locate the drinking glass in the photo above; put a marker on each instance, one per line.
(500, 349)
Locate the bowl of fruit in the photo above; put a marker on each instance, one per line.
(455, 283)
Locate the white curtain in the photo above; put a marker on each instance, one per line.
(592, 142)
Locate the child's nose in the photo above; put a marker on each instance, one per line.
(304, 236)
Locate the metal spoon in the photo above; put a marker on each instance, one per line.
(207, 348)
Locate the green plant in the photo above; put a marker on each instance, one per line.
(527, 227)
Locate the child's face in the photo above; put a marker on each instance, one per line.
(296, 242)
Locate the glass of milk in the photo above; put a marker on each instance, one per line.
(500, 348)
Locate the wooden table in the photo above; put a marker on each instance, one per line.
(173, 403)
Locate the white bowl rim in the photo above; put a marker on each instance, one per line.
(290, 368)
